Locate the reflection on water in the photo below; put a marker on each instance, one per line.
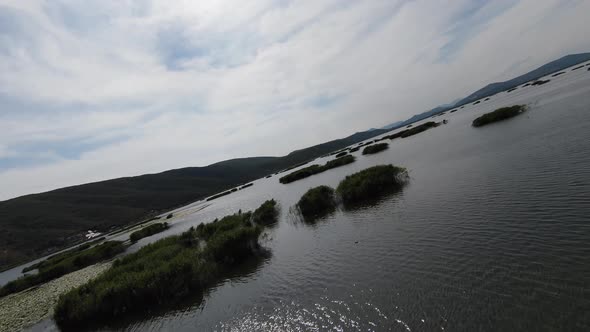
(491, 233)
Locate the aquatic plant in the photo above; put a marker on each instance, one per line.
(375, 148)
(316, 202)
(540, 82)
(163, 272)
(148, 231)
(354, 149)
(247, 185)
(370, 183)
(301, 174)
(338, 162)
(315, 169)
(419, 129)
(342, 154)
(266, 214)
(499, 115)
(58, 267)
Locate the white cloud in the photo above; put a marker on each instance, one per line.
(194, 82)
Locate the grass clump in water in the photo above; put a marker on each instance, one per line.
(371, 182)
(375, 148)
(342, 154)
(57, 267)
(266, 214)
(419, 129)
(316, 202)
(148, 231)
(499, 115)
(315, 169)
(164, 272)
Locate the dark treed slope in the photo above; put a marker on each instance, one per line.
(36, 224)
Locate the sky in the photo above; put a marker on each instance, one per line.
(96, 89)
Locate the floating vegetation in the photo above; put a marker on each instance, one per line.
(375, 148)
(342, 154)
(510, 90)
(410, 126)
(316, 202)
(354, 149)
(148, 231)
(455, 110)
(487, 99)
(370, 183)
(315, 169)
(169, 216)
(247, 185)
(499, 115)
(540, 82)
(477, 102)
(419, 129)
(557, 74)
(578, 67)
(266, 214)
(56, 268)
(164, 272)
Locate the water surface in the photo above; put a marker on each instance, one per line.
(492, 233)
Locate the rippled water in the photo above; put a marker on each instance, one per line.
(492, 233)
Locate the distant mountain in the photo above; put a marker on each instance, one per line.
(37, 224)
(546, 69)
(493, 88)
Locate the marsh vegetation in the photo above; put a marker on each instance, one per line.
(375, 148)
(316, 202)
(499, 115)
(371, 182)
(148, 231)
(315, 169)
(163, 272)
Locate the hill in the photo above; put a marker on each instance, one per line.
(37, 224)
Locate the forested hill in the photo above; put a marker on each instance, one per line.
(36, 224)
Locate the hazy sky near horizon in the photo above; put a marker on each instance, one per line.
(92, 90)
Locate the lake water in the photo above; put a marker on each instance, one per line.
(492, 233)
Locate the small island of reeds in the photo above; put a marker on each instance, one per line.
(499, 115)
(316, 169)
(342, 154)
(316, 202)
(375, 148)
(266, 214)
(148, 231)
(164, 272)
(371, 182)
(419, 129)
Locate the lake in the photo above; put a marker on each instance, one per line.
(492, 233)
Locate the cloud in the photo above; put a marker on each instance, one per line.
(99, 89)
